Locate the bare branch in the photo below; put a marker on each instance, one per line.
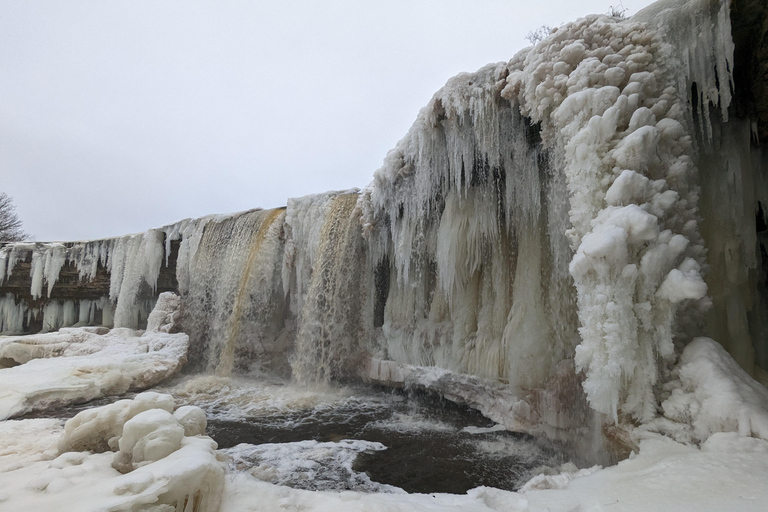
(10, 224)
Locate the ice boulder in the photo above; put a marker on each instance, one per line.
(713, 394)
(147, 437)
(166, 316)
(162, 460)
(99, 429)
(192, 418)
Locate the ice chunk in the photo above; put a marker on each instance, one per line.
(99, 429)
(166, 316)
(189, 478)
(192, 418)
(147, 437)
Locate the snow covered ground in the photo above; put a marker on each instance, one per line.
(728, 472)
(161, 465)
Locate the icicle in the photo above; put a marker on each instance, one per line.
(697, 36)
(11, 315)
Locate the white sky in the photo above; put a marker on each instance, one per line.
(116, 117)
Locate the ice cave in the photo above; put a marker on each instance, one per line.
(552, 296)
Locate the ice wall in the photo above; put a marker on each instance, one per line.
(566, 183)
(734, 195)
(132, 263)
(477, 259)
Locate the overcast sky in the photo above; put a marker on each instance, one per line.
(120, 116)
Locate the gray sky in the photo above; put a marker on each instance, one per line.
(120, 116)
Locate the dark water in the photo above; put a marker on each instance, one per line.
(427, 451)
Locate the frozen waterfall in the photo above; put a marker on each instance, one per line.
(577, 214)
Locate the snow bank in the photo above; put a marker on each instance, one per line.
(164, 471)
(713, 394)
(27, 441)
(80, 364)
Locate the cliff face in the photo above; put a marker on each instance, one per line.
(749, 20)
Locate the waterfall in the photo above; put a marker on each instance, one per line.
(233, 292)
(556, 214)
(332, 320)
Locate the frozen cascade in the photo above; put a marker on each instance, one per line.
(600, 103)
(457, 208)
(11, 314)
(732, 180)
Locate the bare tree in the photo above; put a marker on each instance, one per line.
(539, 34)
(618, 11)
(10, 224)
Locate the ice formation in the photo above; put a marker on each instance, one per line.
(559, 225)
(554, 233)
(80, 364)
(308, 464)
(158, 466)
(597, 178)
(713, 394)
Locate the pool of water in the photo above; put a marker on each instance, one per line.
(430, 444)
(361, 438)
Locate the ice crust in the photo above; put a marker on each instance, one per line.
(80, 364)
(308, 465)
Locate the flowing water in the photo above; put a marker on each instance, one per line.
(362, 438)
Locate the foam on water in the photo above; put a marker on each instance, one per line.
(308, 465)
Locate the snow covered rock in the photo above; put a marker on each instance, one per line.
(100, 428)
(147, 437)
(163, 469)
(192, 418)
(166, 316)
